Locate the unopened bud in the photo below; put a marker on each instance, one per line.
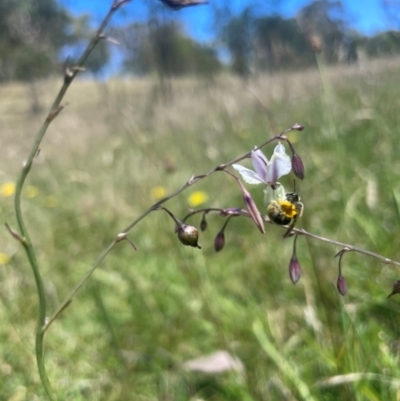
(188, 235)
(294, 269)
(297, 166)
(203, 223)
(219, 241)
(341, 285)
(252, 208)
(396, 289)
(297, 127)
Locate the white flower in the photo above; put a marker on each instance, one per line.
(266, 172)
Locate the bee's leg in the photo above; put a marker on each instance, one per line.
(290, 228)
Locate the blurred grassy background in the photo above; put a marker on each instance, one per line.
(144, 313)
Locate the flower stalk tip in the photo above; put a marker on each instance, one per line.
(297, 127)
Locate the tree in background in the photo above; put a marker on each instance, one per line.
(32, 33)
(164, 48)
(237, 35)
(281, 44)
(323, 32)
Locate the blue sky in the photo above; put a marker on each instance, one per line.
(365, 16)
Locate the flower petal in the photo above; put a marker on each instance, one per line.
(260, 162)
(249, 176)
(279, 165)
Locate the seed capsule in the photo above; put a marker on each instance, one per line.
(188, 235)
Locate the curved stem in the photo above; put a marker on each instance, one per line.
(24, 238)
(26, 242)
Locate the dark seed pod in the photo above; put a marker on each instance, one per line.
(188, 235)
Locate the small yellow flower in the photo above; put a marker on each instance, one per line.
(158, 192)
(197, 198)
(4, 258)
(7, 189)
(50, 201)
(31, 192)
(244, 134)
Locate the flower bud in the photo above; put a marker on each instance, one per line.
(203, 223)
(294, 269)
(341, 285)
(188, 235)
(252, 208)
(219, 241)
(297, 127)
(297, 166)
(396, 289)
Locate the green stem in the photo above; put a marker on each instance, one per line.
(26, 242)
(25, 239)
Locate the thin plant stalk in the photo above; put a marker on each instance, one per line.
(24, 237)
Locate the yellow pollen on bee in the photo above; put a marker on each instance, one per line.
(288, 209)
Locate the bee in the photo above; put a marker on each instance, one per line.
(284, 209)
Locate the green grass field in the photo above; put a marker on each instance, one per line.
(106, 158)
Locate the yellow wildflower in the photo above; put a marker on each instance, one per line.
(158, 192)
(4, 258)
(50, 201)
(31, 192)
(7, 189)
(197, 198)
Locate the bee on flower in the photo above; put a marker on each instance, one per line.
(282, 208)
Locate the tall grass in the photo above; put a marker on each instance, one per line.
(142, 314)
